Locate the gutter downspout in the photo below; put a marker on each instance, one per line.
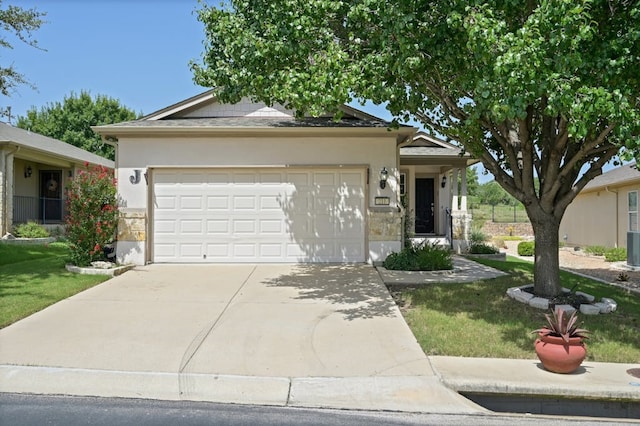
(606, 188)
(4, 189)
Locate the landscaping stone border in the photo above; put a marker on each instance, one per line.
(496, 256)
(604, 306)
(27, 241)
(112, 272)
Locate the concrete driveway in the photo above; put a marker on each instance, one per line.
(299, 335)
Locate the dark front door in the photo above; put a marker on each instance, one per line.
(50, 196)
(424, 206)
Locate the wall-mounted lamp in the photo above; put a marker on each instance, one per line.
(28, 172)
(444, 181)
(384, 174)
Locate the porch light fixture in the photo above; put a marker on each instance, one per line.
(384, 174)
(28, 172)
(444, 181)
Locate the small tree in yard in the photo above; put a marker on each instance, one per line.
(92, 214)
(537, 88)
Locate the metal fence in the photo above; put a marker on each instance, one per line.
(500, 213)
(38, 209)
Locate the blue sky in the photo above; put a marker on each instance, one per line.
(137, 51)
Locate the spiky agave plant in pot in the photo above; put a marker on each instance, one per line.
(560, 344)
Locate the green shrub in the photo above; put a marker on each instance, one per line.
(482, 248)
(615, 254)
(527, 248)
(477, 236)
(92, 214)
(428, 257)
(596, 250)
(31, 230)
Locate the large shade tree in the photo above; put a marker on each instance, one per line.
(16, 23)
(71, 120)
(546, 88)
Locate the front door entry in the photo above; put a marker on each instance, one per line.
(424, 206)
(50, 196)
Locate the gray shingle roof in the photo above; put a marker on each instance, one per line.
(49, 145)
(617, 177)
(248, 122)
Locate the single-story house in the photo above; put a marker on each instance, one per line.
(34, 170)
(201, 181)
(604, 211)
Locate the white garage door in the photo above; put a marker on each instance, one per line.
(258, 215)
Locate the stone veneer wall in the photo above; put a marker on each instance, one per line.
(494, 229)
(132, 225)
(385, 225)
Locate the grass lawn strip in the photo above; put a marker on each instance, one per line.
(479, 320)
(33, 277)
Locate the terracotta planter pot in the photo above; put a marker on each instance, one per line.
(559, 356)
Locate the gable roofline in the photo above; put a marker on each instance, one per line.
(207, 96)
(179, 106)
(15, 136)
(442, 150)
(620, 176)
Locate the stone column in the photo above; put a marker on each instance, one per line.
(9, 192)
(463, 196)
(454, 190)
(3, 194)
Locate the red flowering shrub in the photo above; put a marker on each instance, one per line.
(92, 214)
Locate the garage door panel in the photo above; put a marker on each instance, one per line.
(259, 216)
(244, 202)
(218, 202)
(190, 202)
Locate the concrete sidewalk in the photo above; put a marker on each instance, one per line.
(593, 380)
(296, 335)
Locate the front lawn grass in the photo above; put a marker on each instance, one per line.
(33, 277)
(479, 320)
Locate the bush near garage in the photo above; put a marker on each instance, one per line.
(427, 257)
(92, 214)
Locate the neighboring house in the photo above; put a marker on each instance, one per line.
(201, 181)
(605, 209)
(33, 172)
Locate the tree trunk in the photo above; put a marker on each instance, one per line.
(547, 261)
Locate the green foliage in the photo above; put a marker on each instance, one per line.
(553, 86)
(427, 257)
(477, 236)
(618, 254)
(70, 120)
(562, 326)
(596, 250)
(527, 248)
(92, 214)
(492, 193)
(31, 230)
(481, 248)
(21, 23)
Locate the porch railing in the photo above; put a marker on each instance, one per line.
(38, 209)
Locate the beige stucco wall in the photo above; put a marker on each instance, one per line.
(373, 152)
(598, 218)
(27, 187)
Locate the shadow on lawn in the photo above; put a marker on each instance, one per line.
(487, 301)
